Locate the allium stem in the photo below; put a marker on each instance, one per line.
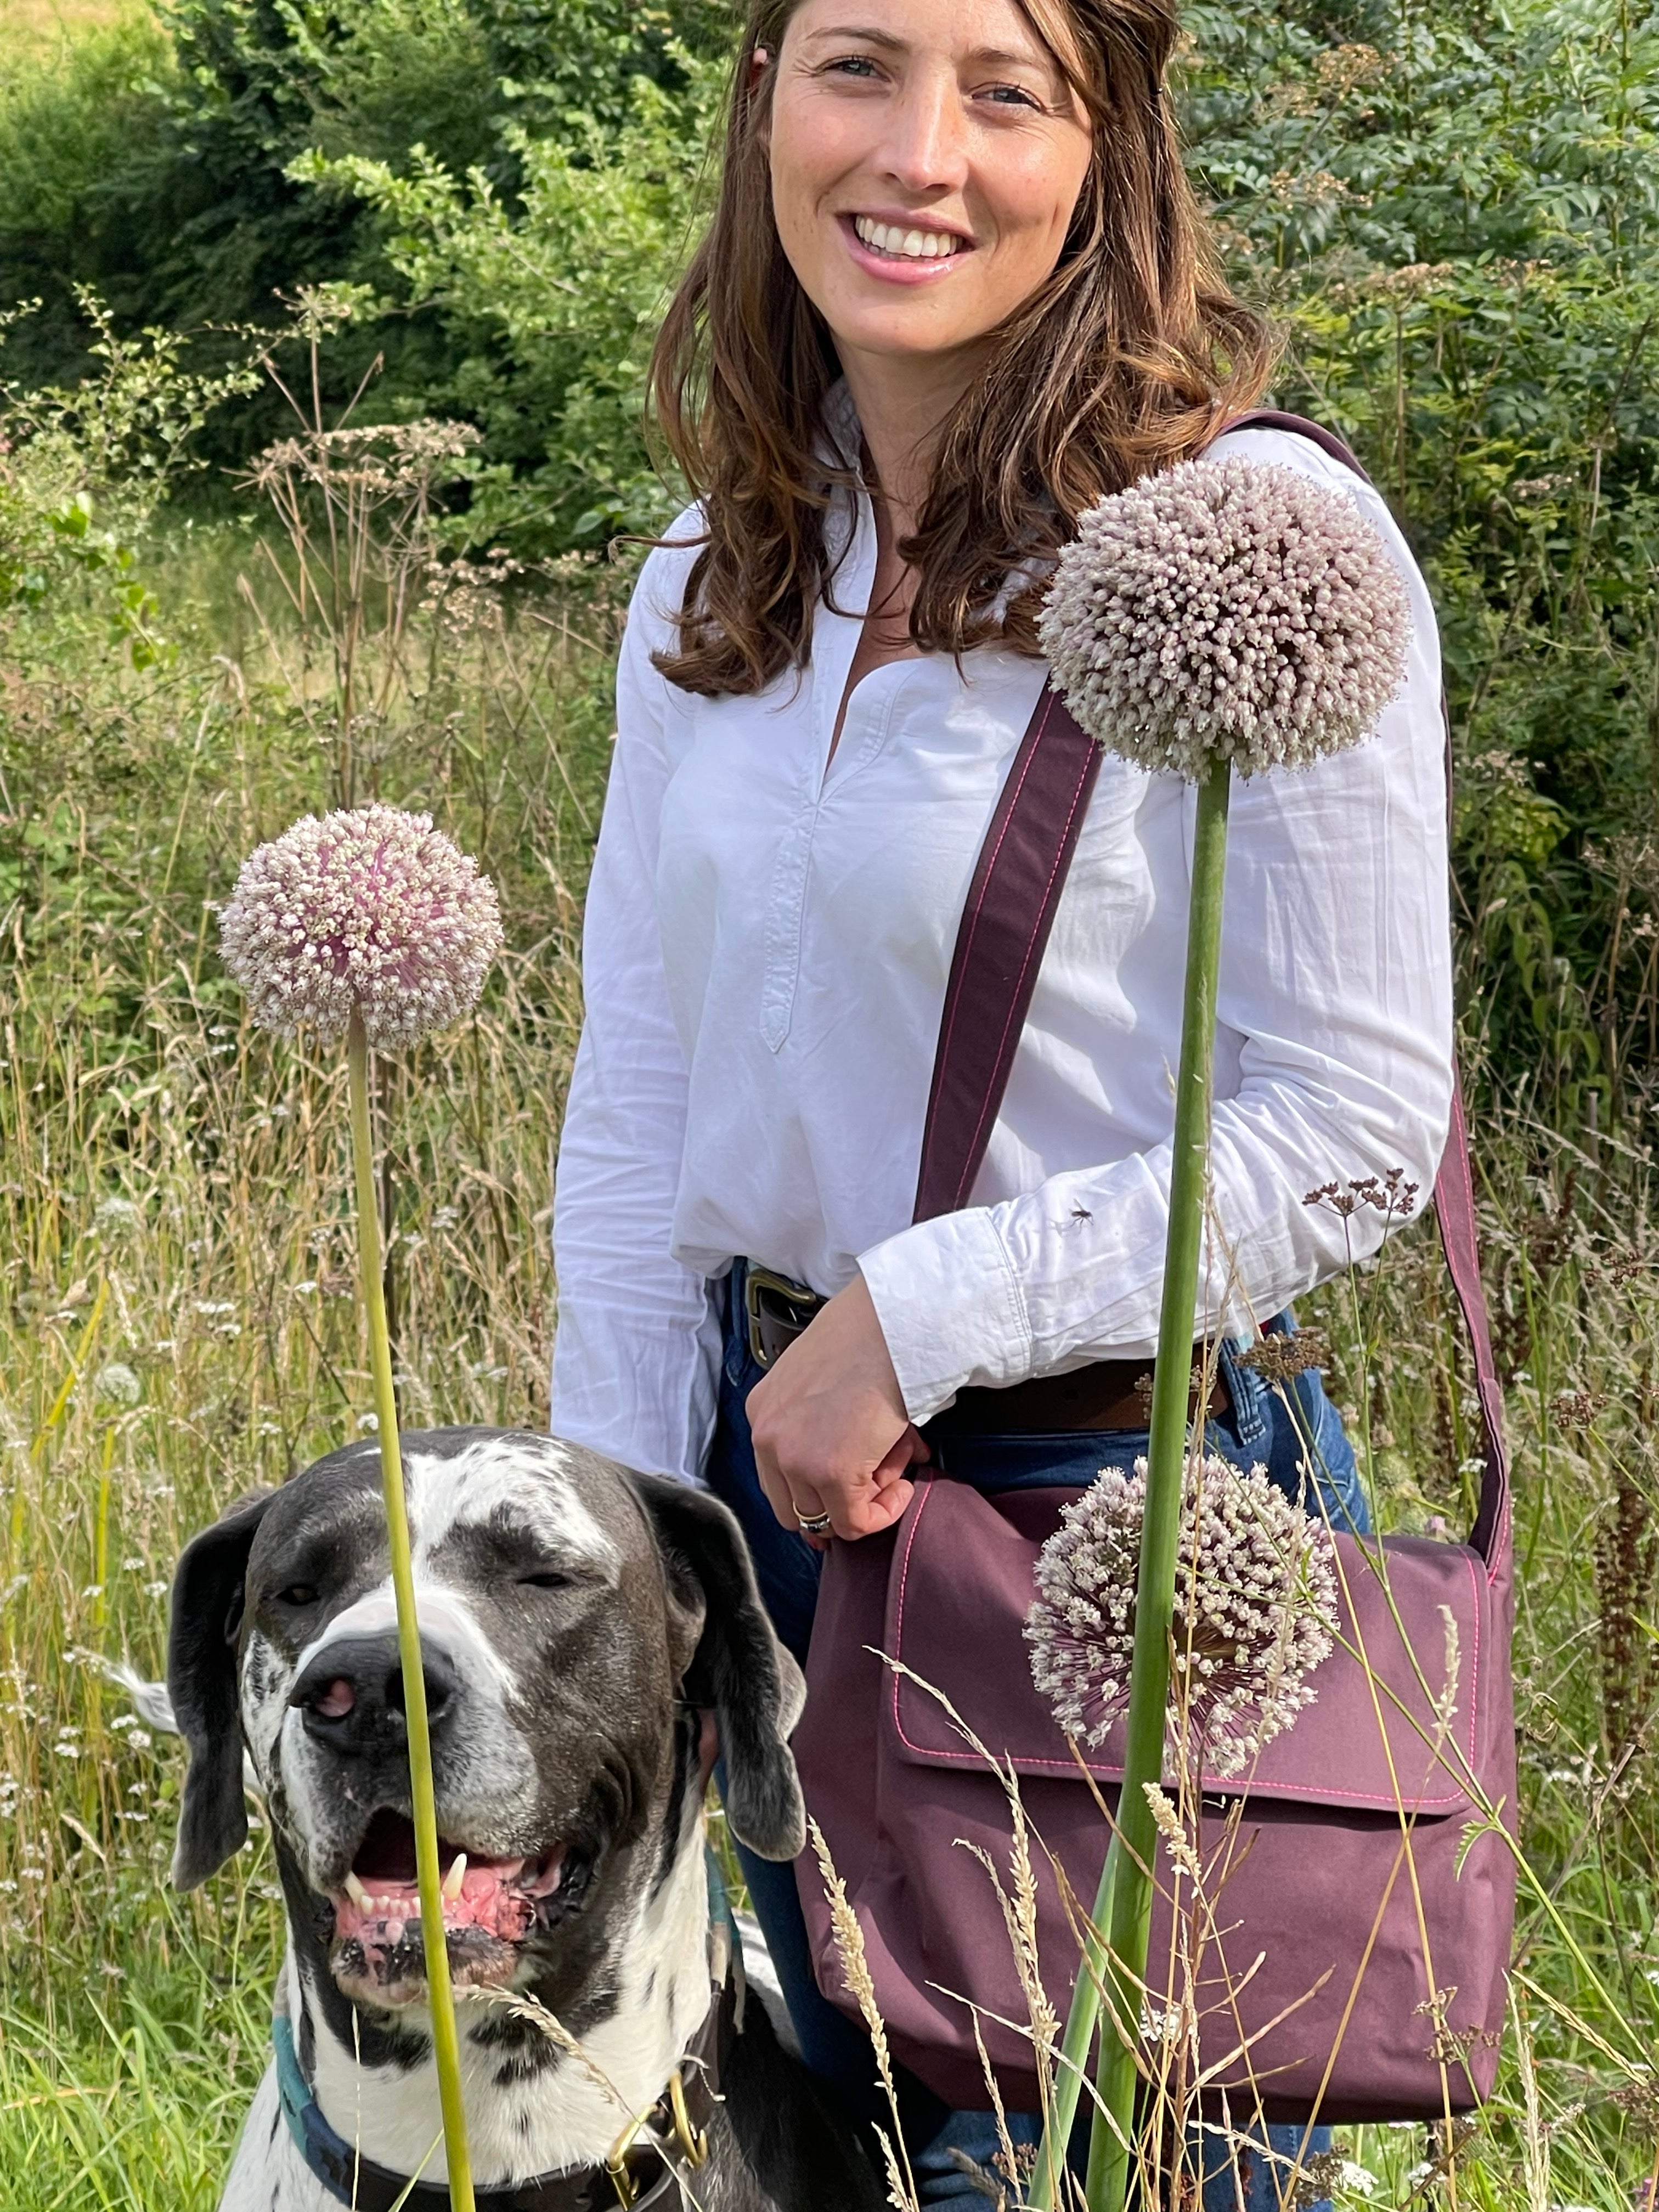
(1080, 2020)
(445, 2040)
(1129, 1882)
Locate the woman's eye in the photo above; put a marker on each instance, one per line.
(854, 65)
(1011, 95)
(298, 1593)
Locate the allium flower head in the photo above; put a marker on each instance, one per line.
(1254, 1586)
(372, 912)
(1228, 610)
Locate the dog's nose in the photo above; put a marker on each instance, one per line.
(352, 1694)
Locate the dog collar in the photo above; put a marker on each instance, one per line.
(642, 2171)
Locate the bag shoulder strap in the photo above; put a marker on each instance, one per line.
(1009, 913)
(1010, 910)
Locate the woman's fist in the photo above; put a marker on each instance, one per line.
(830, 1431)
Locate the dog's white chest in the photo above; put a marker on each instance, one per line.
(268, 2173)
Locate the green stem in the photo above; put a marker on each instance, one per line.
(445, 2040)
(1044, 2192)
(1136, 1839)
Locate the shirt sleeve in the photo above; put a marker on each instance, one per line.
(1335, 1005)
(636, 1353)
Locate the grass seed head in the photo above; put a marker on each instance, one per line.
(1226, 611)
(371, 912)
(1255, 1588)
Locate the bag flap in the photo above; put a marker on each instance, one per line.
(961, 1586)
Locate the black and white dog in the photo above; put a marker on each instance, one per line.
(578, 1622)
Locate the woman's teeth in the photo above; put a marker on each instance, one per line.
(906, 245)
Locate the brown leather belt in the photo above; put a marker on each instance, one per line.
(1109, 1394)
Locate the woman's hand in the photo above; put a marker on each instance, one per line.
(831, 1434)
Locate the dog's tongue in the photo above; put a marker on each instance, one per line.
(487, 1898)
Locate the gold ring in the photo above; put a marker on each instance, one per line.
(812, 1524)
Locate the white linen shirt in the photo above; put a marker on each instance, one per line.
(767, 945)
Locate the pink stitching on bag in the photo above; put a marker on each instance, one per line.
(922, 1504)
(1067, 1767)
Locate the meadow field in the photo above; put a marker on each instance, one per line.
(198, 644)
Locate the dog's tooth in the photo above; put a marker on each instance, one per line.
(356, 1893)
(454, 1878)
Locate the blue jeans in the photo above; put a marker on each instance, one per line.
(1256, 1430)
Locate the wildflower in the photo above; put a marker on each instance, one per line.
(1226, 611)
(115, 1218)
(1280, 1358)
(1254, 1588)
(372, 912)
(1576, 1410)
(118, 1384)
(1391, 1195)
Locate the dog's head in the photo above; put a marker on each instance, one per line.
(575, 1620)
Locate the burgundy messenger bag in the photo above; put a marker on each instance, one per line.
(1357, 1966)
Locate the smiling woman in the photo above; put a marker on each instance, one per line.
(1069, 328)
(923, 185)
(955, 290)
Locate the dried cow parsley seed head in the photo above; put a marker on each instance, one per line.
(1255, 1587)
(373, 911)
(1226, 611)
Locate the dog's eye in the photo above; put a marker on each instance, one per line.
(545, 1578)
(298, 1593)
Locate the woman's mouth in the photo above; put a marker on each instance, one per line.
(907, 251)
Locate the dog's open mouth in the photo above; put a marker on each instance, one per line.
(491, 1908)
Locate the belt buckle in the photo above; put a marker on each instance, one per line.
(760, 1282)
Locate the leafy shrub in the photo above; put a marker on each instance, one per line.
(1456, 214)
(82, 474)
(152, 163)
(553, 300)
(1453, 210)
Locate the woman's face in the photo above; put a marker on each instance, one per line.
(927, 156)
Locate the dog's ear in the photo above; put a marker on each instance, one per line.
(738, 1669)
(206, 1617)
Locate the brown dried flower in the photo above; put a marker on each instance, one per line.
(1390, 1195)
(1279, 1358)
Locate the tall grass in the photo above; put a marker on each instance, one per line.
(177, 1316)
(177, 1325)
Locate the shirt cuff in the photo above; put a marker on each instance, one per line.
(951, 1308)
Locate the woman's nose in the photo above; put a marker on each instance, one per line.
(926, 139)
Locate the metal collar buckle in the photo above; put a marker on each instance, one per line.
(692, 2142)
(776, 1298)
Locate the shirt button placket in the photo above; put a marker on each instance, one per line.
(783, 927)
(786, 904)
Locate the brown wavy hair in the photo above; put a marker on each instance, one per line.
(1125, 361)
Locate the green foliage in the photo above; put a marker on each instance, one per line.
(1455, 211)
(153, 162)
(553, 300)
(82, 474)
